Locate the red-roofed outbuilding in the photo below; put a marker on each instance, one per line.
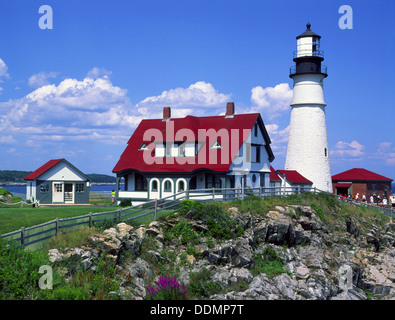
(57, 182)
(362, 182)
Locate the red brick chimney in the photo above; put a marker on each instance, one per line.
(166, 113)
(230, 110)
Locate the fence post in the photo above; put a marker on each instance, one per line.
(298, 189)
(22, 236)
(187, 194)
(57, 225)
(120, 215)
(156, 206)
(90, 219)
(213, 194)
(315, 190)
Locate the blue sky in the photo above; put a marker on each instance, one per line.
(79, 90)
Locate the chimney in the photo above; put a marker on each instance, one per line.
(230, 110)
(166, 113)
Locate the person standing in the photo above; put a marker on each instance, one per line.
(363, 198)
(113, 196)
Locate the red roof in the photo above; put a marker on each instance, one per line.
(273, 175)
(154, 130)
(35, 174)
(293, 176)
(359, 174)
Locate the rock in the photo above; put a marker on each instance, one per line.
(302, 272)
(350, 294)
(54, 255)
(124, 230)
(152, 231)
(139, 234)
(371, 239)
(352, 228)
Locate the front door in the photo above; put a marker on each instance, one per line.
(68, 193)
(58, 192)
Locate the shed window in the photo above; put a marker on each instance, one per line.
(44, 187)
(79, 187)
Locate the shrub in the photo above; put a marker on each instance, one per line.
(217, 219)
(19, 271)
(185, 231)
(202, 285)
(268, 263)
(126, 203)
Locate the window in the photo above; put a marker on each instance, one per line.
(253, 178)
(212, 181)
(44, 187)
(256, 156)
(140, 183)
(79, 187)
(255, 129)
(154, 186)
(167, 186)
(58, 187)
(326, 152)
(181, 186)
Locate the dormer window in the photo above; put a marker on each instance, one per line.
(216, 145)
(143, 147)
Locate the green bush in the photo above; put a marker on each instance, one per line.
(268, 263)
(19, 271)
(201, 284)
(126, 203)
(215, 216)
(184, 230)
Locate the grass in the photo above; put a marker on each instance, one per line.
(14, 218)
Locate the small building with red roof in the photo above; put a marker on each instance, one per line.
(293, 181)
(57, 182)
(363, 182)
(170, 155)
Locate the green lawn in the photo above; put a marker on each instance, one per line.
(12, 219)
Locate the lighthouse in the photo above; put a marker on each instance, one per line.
(307, 150)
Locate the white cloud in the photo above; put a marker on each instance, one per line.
(386, 152)
(93, 110)
(96, 72)
(279, 138)
(3, 69)
(348, 149)
(183, 100)
(272, 101)
(41, 79)
(7, 139)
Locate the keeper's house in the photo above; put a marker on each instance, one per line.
(166, 156)
(58, 182)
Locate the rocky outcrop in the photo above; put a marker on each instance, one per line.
(312, 256)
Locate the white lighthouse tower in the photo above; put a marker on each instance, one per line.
(307, 150)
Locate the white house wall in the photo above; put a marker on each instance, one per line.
(240, 163)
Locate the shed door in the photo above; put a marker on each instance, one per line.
(58, 192)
